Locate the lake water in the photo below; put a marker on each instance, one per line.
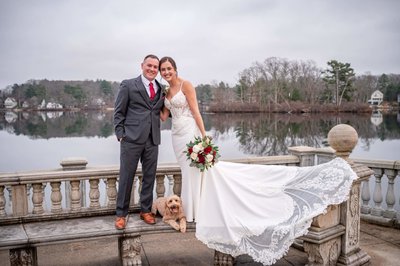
(38, 140)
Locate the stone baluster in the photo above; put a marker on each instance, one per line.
(160, 187)
(45, 202)
(94, 193)
(170, 182)
(56, 197)
(139, 180)
(112, 192)
(390, 197)
(366, 197)
(37, 198)
(83, 193)
(137, 187)
(75, 195)
(177, 184)
(377, 196)
(2, 202)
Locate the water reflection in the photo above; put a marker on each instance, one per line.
(272, 134)
(255, 131)
(46, 125)
(376, 117)
(250, 134)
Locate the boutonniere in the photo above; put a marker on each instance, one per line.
(165, 89)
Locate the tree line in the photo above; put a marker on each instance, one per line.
(86, 94)
(275, 84)
(278, 84)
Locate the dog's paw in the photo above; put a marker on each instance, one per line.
(183, 229)
(182, 225)
(176, 227)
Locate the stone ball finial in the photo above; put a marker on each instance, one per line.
(343, 138)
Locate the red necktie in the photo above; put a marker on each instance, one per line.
(152, 91)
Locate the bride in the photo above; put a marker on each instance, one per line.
(257, 210)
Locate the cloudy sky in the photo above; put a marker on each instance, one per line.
(211, 40)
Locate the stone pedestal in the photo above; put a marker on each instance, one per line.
(351, 253)
(343, 138)
(323, 242)
(19, 200)
(334, 237)
(73, 163)
(305, 154)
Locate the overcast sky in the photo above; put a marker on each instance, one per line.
(211, 40)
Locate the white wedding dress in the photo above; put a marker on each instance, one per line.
(257, 210)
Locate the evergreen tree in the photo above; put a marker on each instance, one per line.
(340, 75)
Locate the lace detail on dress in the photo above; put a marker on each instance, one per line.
(178, 105)
(312, 190)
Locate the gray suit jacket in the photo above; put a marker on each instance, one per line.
(135, 115)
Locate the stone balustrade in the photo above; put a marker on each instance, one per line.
(77, 191)
(379, 193)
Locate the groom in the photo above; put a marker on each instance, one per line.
(137, 128)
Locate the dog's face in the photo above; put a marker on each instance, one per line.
(174, 203)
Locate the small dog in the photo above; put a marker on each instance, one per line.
(171, 210)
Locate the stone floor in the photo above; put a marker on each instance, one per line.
(381, 243)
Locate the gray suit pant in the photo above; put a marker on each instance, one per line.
(130, 154)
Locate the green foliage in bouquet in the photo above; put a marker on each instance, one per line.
(202, 153)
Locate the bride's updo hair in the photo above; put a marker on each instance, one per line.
(167, 59)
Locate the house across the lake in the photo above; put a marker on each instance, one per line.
(10, 103)
(376, 98)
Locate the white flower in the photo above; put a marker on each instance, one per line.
(209, 157)
(193, 156)
(197, 148)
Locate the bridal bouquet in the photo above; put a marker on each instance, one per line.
(202, 153)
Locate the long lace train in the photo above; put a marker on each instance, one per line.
(265, 222)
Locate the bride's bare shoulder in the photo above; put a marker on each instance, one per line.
(187, 86)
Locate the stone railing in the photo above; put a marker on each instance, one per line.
(379, 193)
(76, 191)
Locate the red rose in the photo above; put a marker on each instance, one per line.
(190, 150)
(201, 159)
(207, 150)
